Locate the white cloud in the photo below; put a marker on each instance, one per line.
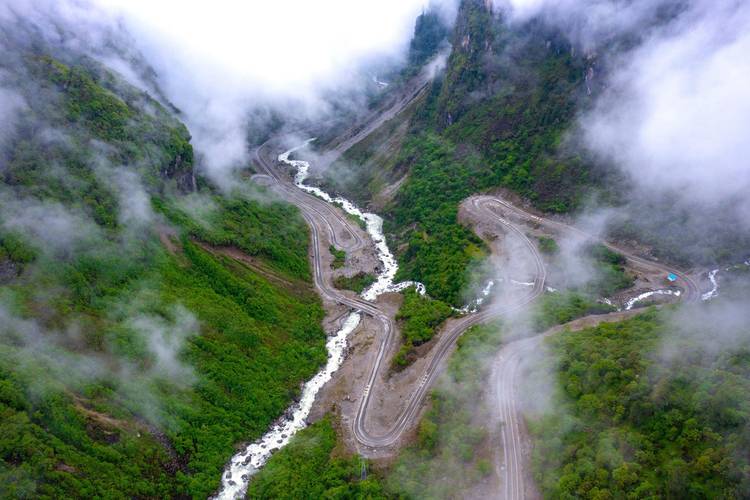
(677, 114)
(674, 113)
(218, 59)
(587, 22)
(11, 104)
(283, 46)
(215, 60)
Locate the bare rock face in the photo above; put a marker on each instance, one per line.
(8, 271)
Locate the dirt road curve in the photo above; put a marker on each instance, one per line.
(515, 477)
(311, 206)
(326, 219)
(495, 204)
(322, 217)
(447, 339)
(412, 91)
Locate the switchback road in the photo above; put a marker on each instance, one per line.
(326, 219)
(505, 372)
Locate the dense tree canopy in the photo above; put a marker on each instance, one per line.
(633, 426)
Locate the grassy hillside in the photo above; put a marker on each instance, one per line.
(148, 324)
(200, 352)
(314, 465)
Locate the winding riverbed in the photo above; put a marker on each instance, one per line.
(243, 465)
(373, 222)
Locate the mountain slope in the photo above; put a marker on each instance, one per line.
(149, 322)
(498, 118)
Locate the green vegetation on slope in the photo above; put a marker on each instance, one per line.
(548, 245)
(633, 426)
(558, 308)
(519, 121)
(140, 136)
(132, 358)
(14, 250)
(357, 283)
(339, 257)
(609, 267)
(465, 73)
(609, 276)
(419, 318)
(102, 111)
(270, 230)
(497, 117)
(313, 466)
(424, 215)
(255, 343)
(448, 457)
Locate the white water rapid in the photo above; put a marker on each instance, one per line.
(379, 82)
(236, 477)
(243, 465)
(630, 303)
(473, 306)
(373, 222)
(714, 292)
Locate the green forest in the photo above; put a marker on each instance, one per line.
(315, 465)
(419, 318)
(135, 352)
(634, 425)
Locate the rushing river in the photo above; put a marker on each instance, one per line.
(709, 295)
(714, 292)
(631, 302)
(244, 464)
(712, 277)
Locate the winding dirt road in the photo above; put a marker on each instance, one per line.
(447, 339)
(497, 205)
(412, 91)
(514, 474)
(324, 218)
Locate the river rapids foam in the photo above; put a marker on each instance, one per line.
(236, 477)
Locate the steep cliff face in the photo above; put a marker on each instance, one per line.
(511, 91)
(466, 71)
(96, 102)
(430, 32)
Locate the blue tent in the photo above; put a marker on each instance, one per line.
(672, 277)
